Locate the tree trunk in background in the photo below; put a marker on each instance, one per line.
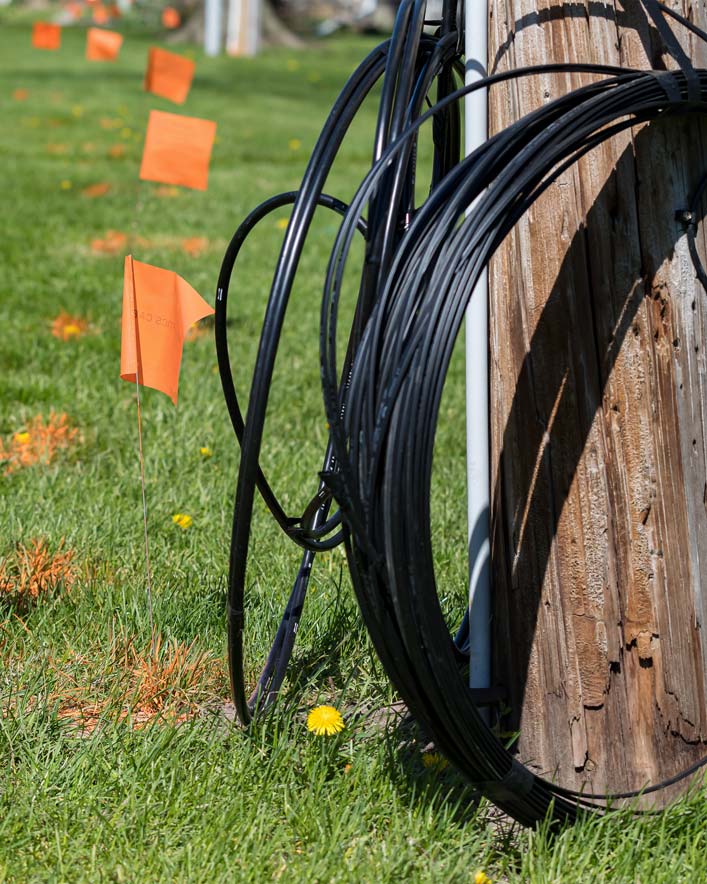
(599, 398)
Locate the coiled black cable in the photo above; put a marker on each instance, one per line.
(421, 265)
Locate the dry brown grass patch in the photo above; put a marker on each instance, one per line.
(32, 572)
(202, 328)
(114, 242)
(39, 443)
(167, 682)
(194, 245)
(67, 327)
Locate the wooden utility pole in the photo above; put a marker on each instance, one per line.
(598, 380)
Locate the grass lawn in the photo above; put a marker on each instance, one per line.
(118, 763)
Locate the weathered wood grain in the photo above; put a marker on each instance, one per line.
(599, 393)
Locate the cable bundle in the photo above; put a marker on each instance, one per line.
(421, 266)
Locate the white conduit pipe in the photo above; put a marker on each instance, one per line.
(477, 377)
(213, 26)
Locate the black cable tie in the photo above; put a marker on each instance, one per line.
(334, 482)
(674, 48)
(517, 783)
(461, 27)
(235, 616)
(320, 499)
(666, 81)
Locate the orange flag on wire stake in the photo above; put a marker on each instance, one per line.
(102, 45)
(177, 150)
(171, 18)
(158, 308)
(100, 15)
(46, 35)
(168, 75)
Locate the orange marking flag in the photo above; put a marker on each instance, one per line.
(100, 15)
(102, 45)
(168, 74)
(75, 10)
(170, 17)
(158, 309)
(177, 150)
(46, 35)
(94, 190)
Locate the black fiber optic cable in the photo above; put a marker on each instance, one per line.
(249, 432)
(689, 218)
(421, 265)
(418, 315)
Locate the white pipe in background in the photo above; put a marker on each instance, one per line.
(254, 8)
(213, 26)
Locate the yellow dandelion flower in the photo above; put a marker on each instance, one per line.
(205, 451)
(77, 111)
(126, 132)
(183, 520)
(325, 721)
(66, 326)
(292, 64)
(38, 444)
(65, 184)
(294, 144)
(434, 760)
(281, 223)
(482, 878)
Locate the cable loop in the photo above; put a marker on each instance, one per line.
(422, 261)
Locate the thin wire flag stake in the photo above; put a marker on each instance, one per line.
(141, 455)
(148, 569)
